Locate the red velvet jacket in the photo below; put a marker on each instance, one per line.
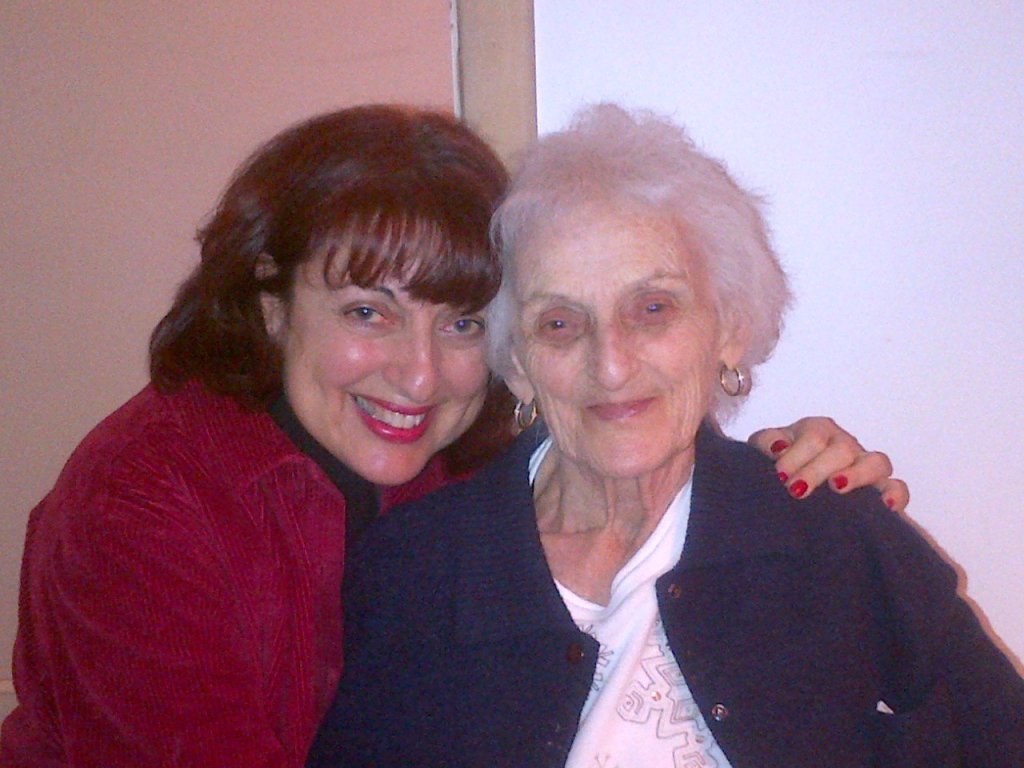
(180, 594)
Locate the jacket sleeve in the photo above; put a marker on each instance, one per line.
(943, 667)
(132, 640)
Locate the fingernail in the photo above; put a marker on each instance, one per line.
(890, 502)
(783, 477)
(798, 489)
(778, 446)
(840, 482)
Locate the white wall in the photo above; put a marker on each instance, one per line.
(119, 125)
(889, 138)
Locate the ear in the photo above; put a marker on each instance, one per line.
(273, 307)
(274, 315)
(517, 381)
(733, 342)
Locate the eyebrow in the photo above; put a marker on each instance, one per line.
(649, 281)
(374, 288)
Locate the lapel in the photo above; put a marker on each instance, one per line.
(739, 509)
(503, 587)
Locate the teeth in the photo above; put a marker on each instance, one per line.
(391, 418)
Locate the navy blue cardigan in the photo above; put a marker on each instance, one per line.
(790, 622)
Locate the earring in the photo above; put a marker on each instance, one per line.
(525, 414)
(734, 382)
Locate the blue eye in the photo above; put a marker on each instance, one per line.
(466, 326)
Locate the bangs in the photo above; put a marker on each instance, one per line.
(444, 259)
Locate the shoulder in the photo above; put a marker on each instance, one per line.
(835, 555)
(185, 461)
(191, 432)
(187, 494)
(735, 487)
(846, 548)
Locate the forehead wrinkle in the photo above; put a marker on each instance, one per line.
(654, 280)
(642, 250)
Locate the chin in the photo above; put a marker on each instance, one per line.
(394, 470)
(634, 463)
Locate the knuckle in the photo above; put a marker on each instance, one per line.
(819, 441)
(879, 462)
(903, 489)
(847, 452)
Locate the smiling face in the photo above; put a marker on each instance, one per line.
(380, 379)
(617, 339)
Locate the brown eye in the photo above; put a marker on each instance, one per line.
(363, 314)
(653, 310)
(367, 316)
(560, 326)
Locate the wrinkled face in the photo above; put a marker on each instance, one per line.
(383, 381)
(617, 339)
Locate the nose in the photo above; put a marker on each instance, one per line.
(612, 357)
(414, 368)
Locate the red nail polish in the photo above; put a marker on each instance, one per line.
(798, 489)
(783, 477)
(840, 482)
(778, 446)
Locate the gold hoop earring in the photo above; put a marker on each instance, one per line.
(525, 414)
(734, 382)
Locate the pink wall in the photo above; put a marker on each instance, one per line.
(120, 125)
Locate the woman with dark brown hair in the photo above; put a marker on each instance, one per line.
(325, 361)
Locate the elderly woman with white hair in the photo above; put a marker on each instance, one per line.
(626, 586)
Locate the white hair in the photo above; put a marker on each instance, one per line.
(640, 159)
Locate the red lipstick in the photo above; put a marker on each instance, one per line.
(393, 433)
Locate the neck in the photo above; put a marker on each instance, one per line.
(591, 525)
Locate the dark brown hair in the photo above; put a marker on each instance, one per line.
(395, 191)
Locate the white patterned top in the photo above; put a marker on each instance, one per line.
(640, 712)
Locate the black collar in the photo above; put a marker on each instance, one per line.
(361, 502)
